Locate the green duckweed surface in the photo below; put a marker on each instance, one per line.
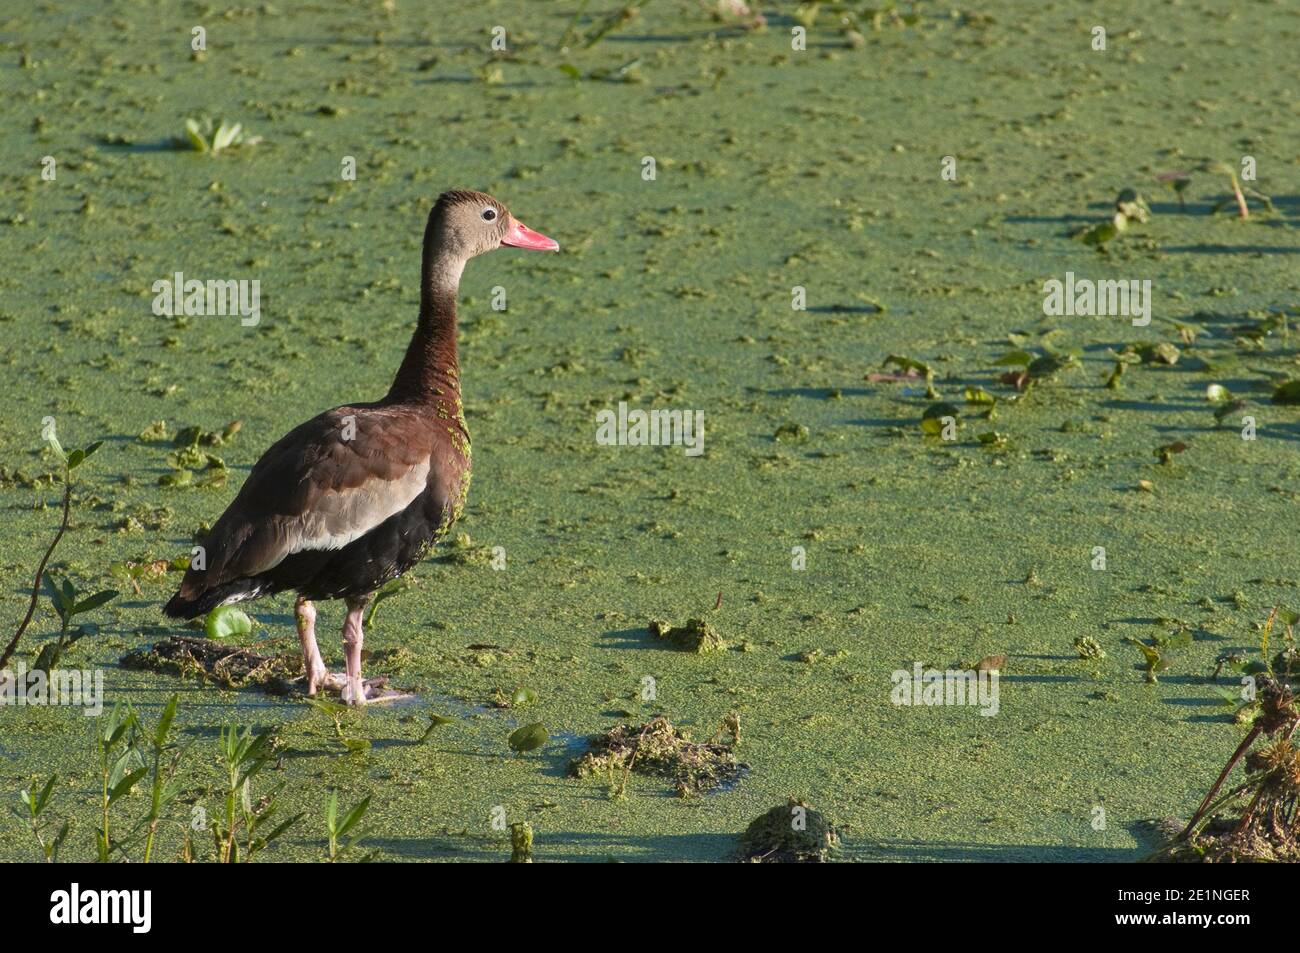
(774, 168)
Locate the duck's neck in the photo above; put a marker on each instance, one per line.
(430, 370)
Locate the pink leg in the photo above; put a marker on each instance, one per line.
(354, 690)
(312, 664)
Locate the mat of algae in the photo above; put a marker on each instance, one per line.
(775, 169)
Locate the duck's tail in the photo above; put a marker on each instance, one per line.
(188, 604)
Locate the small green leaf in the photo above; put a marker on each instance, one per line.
(352, 817)
(932, 419)
(435, 721)
(124, 786)
(94, 602)
(225, 622)
(225, 136)
(165, 721)
(1012, 358)
(529, 737)
(195, 136)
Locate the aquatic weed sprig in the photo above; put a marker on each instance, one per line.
(213, 138)
(33, 818)
(70, 462)
(337, 828)
(244, 755)
(119, 772)
(67, 605)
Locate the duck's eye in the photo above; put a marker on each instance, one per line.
(489, 214)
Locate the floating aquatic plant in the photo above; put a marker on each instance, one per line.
(227, 622)
(910, 369)
(521, 842)
(629, 72)
(1130, 208)
(1088, 648)
(790, 833)
(696, 635)
(528, 737)
(659, 749)
(1032, 367)
(1157, 656)
(146, 568)
(226, 665)
(932, 418)
(203, 135)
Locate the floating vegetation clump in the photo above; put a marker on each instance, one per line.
(1259, 819)
(463, 551)
(1088, 648)
(1130, 207)
(227, 665)
(657, 749)
(695, 636)
(213, 137)
(791, 833)
(521, 842)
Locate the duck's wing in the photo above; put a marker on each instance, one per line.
(322, 485)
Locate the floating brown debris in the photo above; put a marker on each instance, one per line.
(695, 636)
(228, 665)
(790, 833)
(660, 750)
(1259, 819)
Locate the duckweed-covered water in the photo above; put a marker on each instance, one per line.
(774, 169)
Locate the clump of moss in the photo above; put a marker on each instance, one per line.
(695, 636)
(521, 843)
(790, 833)
(463, 551)
(1259, 819)
(392, 659)
(658, 749)
(1088, 647)
(226, 665)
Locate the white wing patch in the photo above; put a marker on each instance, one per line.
(340, 516)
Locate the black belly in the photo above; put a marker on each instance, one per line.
(369, 561)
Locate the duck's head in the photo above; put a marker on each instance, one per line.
(466, 223)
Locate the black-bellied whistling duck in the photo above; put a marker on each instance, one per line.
(355, 497)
